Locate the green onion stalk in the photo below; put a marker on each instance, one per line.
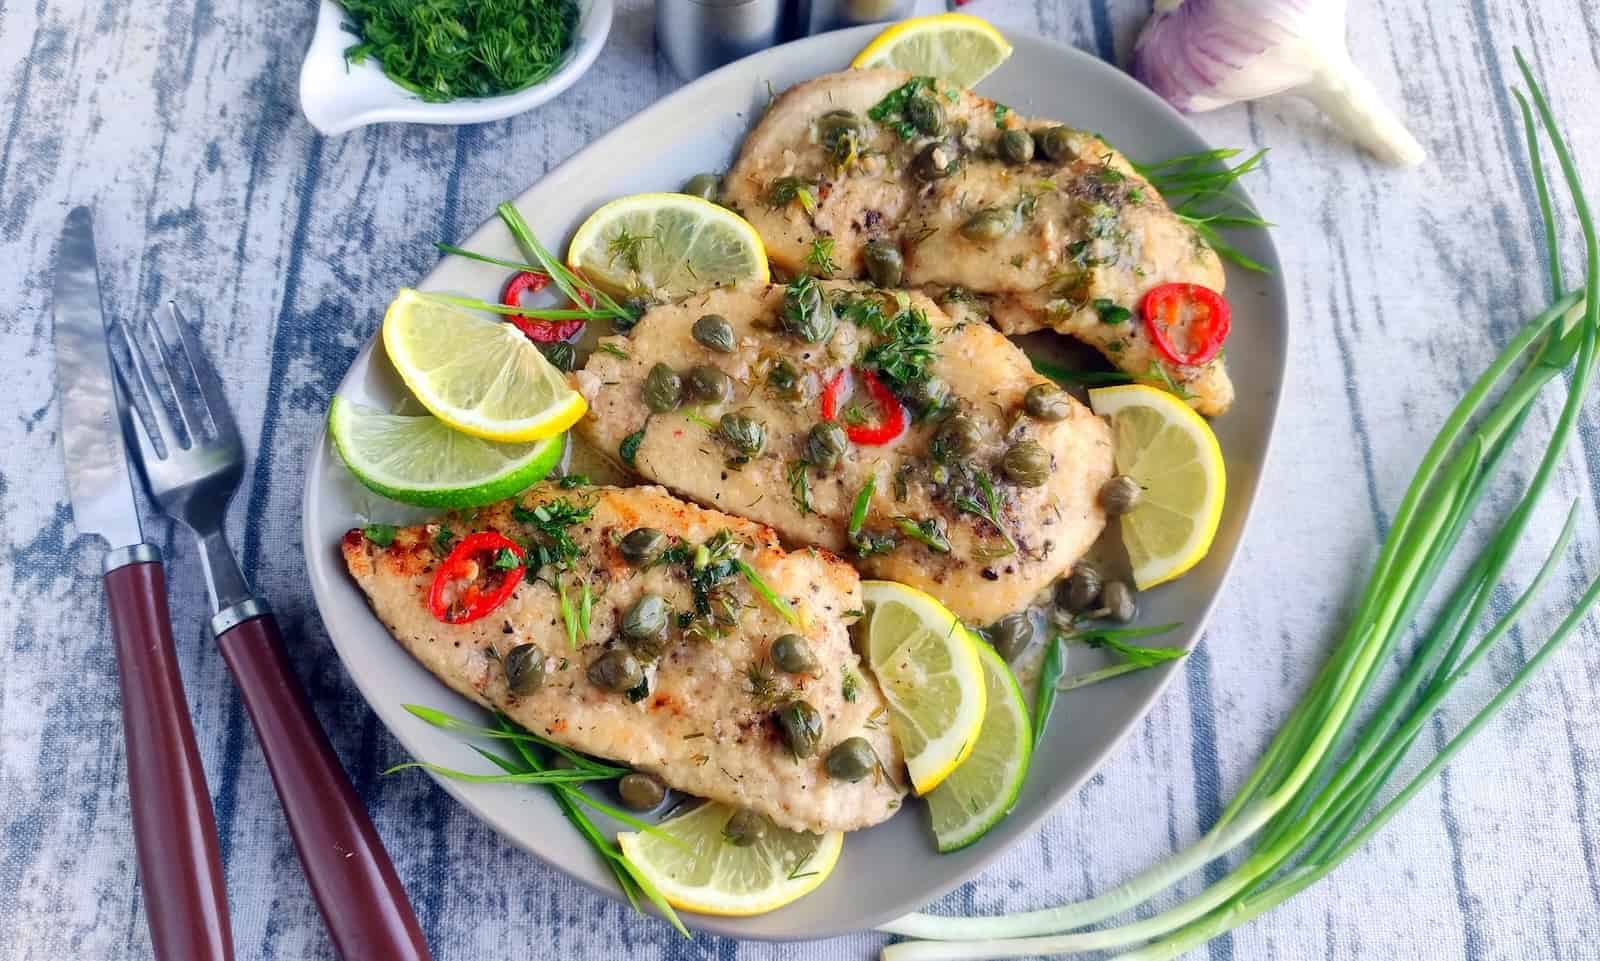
(1309, 802)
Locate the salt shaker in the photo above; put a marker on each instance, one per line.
(700, 35)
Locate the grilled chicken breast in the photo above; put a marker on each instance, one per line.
(704, 721)
(1080, 233)
(928, 520)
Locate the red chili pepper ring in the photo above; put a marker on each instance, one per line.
(473, 580)
(1187, 322)
(538, 331)
(869, 435)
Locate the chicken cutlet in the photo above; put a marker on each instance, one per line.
(1060, 232)
(696, 636)
(779, 403)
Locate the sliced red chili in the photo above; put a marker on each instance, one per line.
(1187, 322)
(893, 421)
(538, 331)
(474, 580)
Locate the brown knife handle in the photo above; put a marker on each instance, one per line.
(174, 830)
(352, 879)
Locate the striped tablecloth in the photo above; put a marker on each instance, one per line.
(178, 121)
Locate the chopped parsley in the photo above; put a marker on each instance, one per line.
(506, 559)
(1000, 112)
(443, 539)
(820, 259)
(850, 688)
(892, 109)
(380, 534)
(1110, 311)
(569, 481)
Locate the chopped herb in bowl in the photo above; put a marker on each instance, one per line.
(449, 49)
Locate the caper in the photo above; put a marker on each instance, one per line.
(826, 444)
(851, 759)
(1056, 144)
(714, 332)
(1047, 402)
(784, 379)
(1078, 591)
(745, 435)
(1016, 146)
(925, 395)
(926, 114)
(1117, 603)
(805, 313)
(884, 264)
(640, 792)
(641, 545)
(708, 384)
(801, 726)
(524, 666)
(704, 186)
(792, 654)
(936, 161)
(561, 355)
(1120, 495)
(987, 225)
(958, 436)
(663, 389)
(835, 126)
(646, 619)
(632, 309)
(1011, 634)
(616, 670)
(1026, 463)
(745, 828)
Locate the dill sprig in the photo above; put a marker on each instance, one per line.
(1199, 188)
(448, 49)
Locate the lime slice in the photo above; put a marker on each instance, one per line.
(666, 246)
(706, 873)
(983, 789)
(928, 666)
(1171, 451)
(418, 460)
(478, 375)
(957, 48)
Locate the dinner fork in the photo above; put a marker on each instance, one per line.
(193, 474)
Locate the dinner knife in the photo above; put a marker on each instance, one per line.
(174, 830)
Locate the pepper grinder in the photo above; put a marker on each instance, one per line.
(699, 36)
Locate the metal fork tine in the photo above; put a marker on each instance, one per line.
(146, 452)
(187, 412)
(152, 399)
(205, 376)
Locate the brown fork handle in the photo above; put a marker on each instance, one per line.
(352, 879)
(174, 831)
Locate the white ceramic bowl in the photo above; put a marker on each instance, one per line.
(337, 97)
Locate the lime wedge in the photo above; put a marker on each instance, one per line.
(419, 460)
(983, 789)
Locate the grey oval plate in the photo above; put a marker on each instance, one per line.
(893, 868)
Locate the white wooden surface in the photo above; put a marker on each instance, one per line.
(178, 121)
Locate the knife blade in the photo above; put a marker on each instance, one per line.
(98, 480)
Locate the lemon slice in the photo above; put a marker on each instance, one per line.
(417, 459)
(1171, 452)
(666, 246)
(927, 663)
(480, 376)
(705, 873)
(982, 791)
(957, 48)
